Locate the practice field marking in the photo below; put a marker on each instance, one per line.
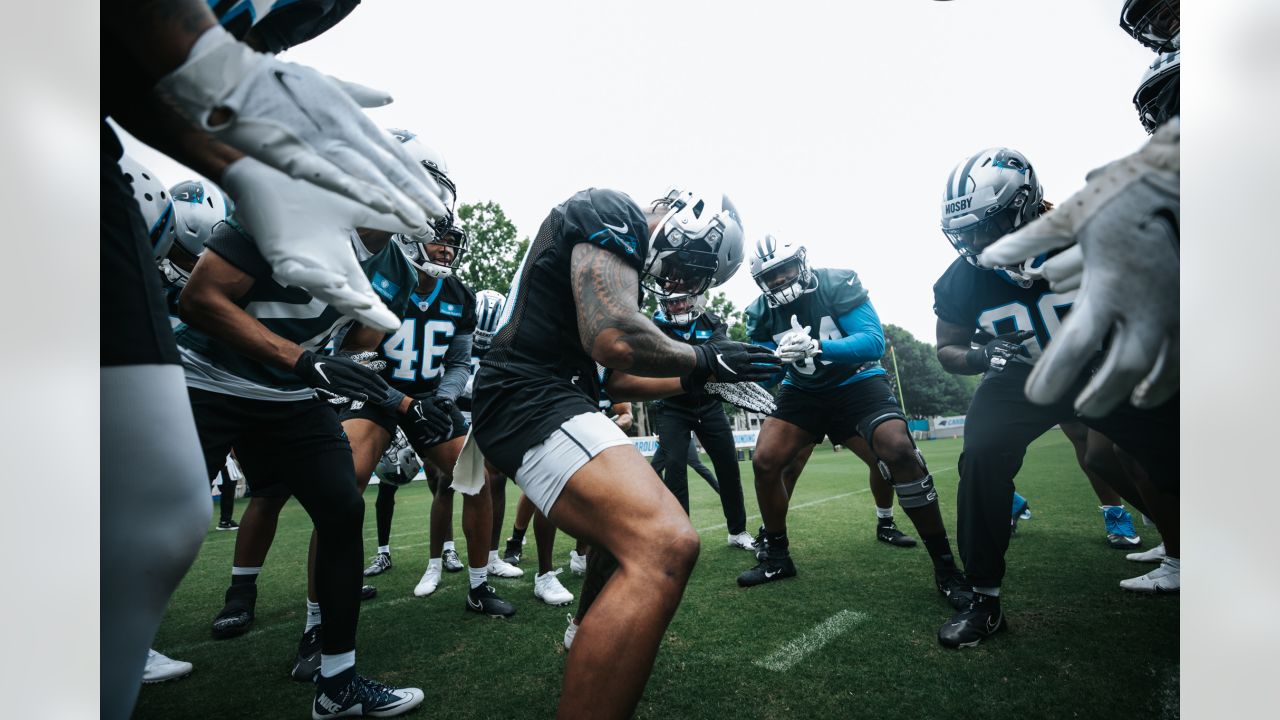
(792, 652)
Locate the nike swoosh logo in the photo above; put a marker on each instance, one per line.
(720, 359)
(617, 228)
(320, 369)
(771, 574)
(302, 107)
(850, 283)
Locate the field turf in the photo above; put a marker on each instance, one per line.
(852, 636)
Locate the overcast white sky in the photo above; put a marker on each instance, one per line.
(833, 123)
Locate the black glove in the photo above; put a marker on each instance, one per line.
(335, 376)
(426, 422)
(997, 352)
(733, 362)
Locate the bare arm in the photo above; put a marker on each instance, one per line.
(362, 338)
(624, 386)
(622, 415)
(953, 347)
(611, 328)
(208, 302)
(158, 34)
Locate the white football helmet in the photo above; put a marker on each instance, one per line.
(489, 304)
(399, 465)
(1158, 91)
(773, 260)
(198, 205)
(696, 245)
(154, 202)
(989, 195)
(682, 309)
(434, 162)
(1154, 23)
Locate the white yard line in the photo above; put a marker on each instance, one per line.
(793, 651)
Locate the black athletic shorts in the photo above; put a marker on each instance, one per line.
(388, 421)
(268, 436)
(841, 412)
(134, 318)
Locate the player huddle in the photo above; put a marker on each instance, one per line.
(323, 334)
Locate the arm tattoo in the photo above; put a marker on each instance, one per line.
(610, 326)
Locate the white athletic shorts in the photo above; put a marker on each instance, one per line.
(547, 466)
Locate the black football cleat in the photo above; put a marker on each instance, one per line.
(776, 565)
(983, 618)
(368, 592)
(511, 554)
(953, 586)
(485, 600)
(307, 664)
(236, 615)
(887, 532)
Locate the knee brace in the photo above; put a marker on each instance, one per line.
(917, 493)
(884, 467)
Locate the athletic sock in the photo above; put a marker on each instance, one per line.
(939, 551)
(331, 665)
(434, 563)
(244, 575)
(384, 549)
(448, 545)
(988, 591)
(493, 556)
(313, 615)
(517, 533)
(776, 540)
(1173, 562)
(477, 576)
(882, 513)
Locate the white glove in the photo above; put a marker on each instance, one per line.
(748, 396)
(796, 345)
(1125, 222)
(303, 123)
(305, 233)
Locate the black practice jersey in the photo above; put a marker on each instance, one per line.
(986, 300)
(415, 353)
(706, 327)
(525, 388)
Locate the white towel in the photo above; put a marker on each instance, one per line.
(468, 472)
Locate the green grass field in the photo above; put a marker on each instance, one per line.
(1078, 646)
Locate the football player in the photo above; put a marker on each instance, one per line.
(684, 318)
(429, 358)
(1122, 230)
(251, 351)
(659, 460)
(834, 386)
(151, 536)
(398, 467)
(988, 194)
(575, 301)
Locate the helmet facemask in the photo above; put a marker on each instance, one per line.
(798, 276)
(1154, 23)
(684, 249)
(682, 309)
(417, 250)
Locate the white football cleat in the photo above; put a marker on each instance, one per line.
(1154, 555)
(570, 631)
(503, 569)
(743, 540)
(577, 563)
(1164, 579)
(160, 668)
(429, 582)
(547, 588)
